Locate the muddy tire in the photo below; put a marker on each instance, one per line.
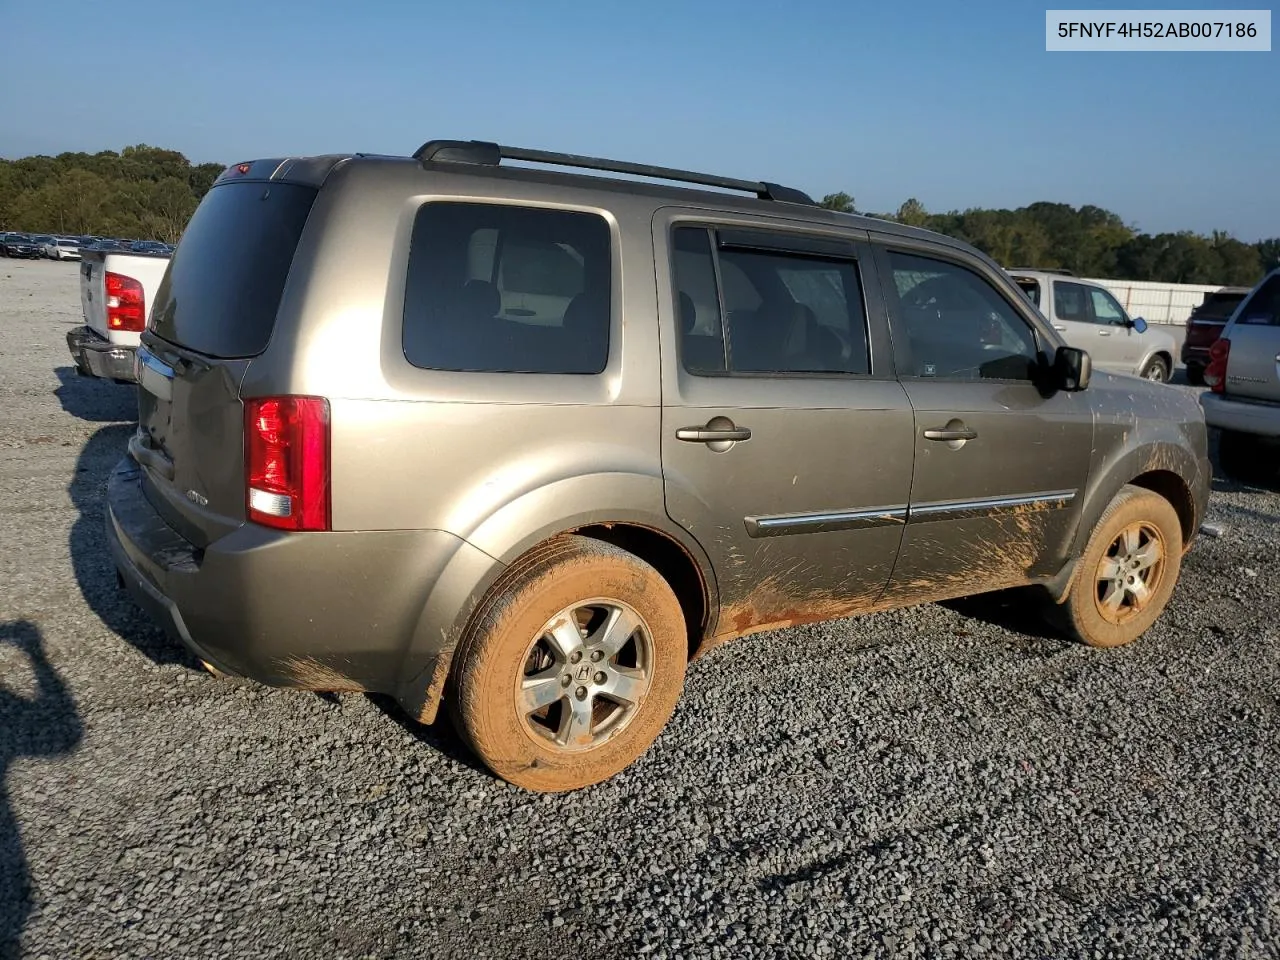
(571, 666)
(1127, 573)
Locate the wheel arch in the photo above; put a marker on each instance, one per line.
(625, 510)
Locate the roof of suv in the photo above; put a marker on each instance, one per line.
(482, 159)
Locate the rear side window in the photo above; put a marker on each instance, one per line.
(221, 292)
(503, 289)
(1071, 302)
(759, 311)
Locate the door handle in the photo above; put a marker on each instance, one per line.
(951, 434)
(710, 434)
(1104, 333)
(1060, 326)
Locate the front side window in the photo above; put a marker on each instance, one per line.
(1071, 302)
(957, 325)
(1106, 309)
(783, 312)
(503, 289)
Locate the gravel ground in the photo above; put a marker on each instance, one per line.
(938, 782)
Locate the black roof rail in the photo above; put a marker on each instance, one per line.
(491, 154)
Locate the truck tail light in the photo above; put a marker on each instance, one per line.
(1215, 374)
(126, 304)
(286, 459)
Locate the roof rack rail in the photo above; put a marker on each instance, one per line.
(491, 154)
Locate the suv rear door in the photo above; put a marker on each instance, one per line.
(1000, 460)
(767, 336)
(1253, 369)
(215, 310)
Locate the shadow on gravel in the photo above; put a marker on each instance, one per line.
(45, 725)
(1012, 610)
(91, 558)
(95, 400)
(439, 735)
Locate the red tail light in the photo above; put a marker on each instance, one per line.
(126, 303)
(1215, 374)
(286, 458)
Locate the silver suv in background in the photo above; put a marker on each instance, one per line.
(1243, 375)
(522, 442)
(1089, 317)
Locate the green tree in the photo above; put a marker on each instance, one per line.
(840, 202)
(912, 213)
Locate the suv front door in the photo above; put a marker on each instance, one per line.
(1125, 344)
(786, 441)
(1073, 315)
(1001, 460)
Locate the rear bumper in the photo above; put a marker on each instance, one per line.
(320, 611)
(1198, 355)
(1228, 414)
(98, 356)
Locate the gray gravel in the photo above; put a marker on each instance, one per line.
(939, 782)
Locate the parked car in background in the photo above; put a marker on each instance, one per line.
(1204, 326)
(150, 246)
(117, 289)
(673, 417)
(21, 246)
(1243, 374)
(1089, 317)
(62, 248)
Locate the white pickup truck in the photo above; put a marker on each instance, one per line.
(117, 289)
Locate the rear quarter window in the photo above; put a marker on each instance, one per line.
(503, 289)
(222, 289)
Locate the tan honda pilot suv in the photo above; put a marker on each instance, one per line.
(523, 441)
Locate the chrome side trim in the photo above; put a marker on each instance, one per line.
(784, 524)
(990, 506)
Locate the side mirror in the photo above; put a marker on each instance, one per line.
(1138, 324)
(1073, 368)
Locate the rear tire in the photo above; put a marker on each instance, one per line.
(571, 666)
(1157, 370)
(1127, 572)
(1195, 374)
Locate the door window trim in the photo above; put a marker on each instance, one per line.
(785, 241)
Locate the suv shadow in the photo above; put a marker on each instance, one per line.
(91, 559)
(95, 400)
(1016, 610)
(44, 725)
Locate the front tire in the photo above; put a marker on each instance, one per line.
(1156, 370)
(571, 666)
(1127, 572)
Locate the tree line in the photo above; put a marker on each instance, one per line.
(1091, 242)
(146, 191)
(142, 191)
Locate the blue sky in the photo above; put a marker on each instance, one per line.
(955, 103)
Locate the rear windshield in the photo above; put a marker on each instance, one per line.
(1264, 304)
(221, 291)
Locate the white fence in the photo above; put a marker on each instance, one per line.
(1158, 302)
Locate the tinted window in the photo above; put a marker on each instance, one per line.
(1263, 306)
(1106, 309)
(957, 325)
(786, 313)
(507, 289)
(222, 289)
(1071, 302)
(1032, 289)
